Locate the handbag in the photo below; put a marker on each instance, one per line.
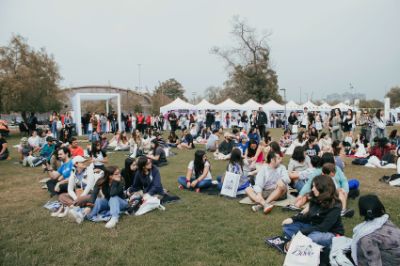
(295, 129)
(302, 252)
(230, 185)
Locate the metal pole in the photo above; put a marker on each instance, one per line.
(140, 82)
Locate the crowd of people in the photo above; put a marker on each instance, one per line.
(86, 186)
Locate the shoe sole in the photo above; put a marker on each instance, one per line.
(268, 210)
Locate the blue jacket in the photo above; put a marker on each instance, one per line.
(150, 184)
(339, 179)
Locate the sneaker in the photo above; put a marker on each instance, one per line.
(277, 242)
(268, 208)
(291, 207)
(256, 208)
(112, 223)
(56, 213)
(64, 213)
(197, 190)
(44, 186)
(348, 213)
(181, 187)
(77, 215)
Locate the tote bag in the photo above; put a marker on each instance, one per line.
(295, 129)
(230, 185)
(302, 252)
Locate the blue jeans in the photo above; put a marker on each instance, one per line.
(115, 205)
(202, 184)
(323, 239)
(299, 184)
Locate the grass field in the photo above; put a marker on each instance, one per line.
(198, 230)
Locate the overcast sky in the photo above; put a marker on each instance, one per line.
(318, 46)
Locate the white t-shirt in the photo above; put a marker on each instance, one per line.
(34, 141)
(212, 139)
(191, 167)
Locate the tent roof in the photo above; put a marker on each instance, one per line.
(342, 106)
(251, 105)
(205, 105)
(229, 104)
(272, 105)
(177, 104)
(291, 105)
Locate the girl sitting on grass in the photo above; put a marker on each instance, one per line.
(238, 166)
(321, 221)
(198, 175)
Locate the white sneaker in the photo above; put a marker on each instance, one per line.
(256, 208)
(56, 213)
(64, 213)
(112, 223)
(77, 215)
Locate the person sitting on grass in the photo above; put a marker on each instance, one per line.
(325, 143)
(157, 155)
(212, 141)
(198, 175)
(58, 182)
(122, 143)
(80, 184)
(129, 172)
(338, 152)
(254, 135)
(25, 150)
(99, 156)
(286, 140)
(311, 147)
(243, 144)
(338, 177)
(76, 150)
(112, 188)
(237, 166)
(298, 163)
(173, 139)
(48, 148)
(147, 180)
(320, 221)
(270, 184)
(34, 141)
(104, 141)
(375, 241)
(225, 147)
(187, 141)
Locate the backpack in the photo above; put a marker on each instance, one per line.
(360, 161)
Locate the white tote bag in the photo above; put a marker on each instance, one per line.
(295, 129)
(302, 252)
(230, 185)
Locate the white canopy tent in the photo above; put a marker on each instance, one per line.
(273, 106)
(310, 105)
(79, 97)
(251, 105)
(228, 104)
(324, 107)
(205, 105)
(177, 104)
(342, 107)
(292, 106)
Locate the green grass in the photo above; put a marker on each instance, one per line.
(199, 230)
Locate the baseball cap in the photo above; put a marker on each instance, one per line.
(78, 159)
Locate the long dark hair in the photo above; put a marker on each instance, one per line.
(275, 147)
(198, 163)
(141, 163)
(236, 157)
(109, 171)
(250, 151)
(95, 151)
(378, 114)
(328, 196)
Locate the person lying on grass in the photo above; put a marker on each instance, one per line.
(80, 184)
(320, 221)
(198, 175)
(112, 188)
(270, 184)
(338, 177)
(238, 166)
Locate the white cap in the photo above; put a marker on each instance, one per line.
(78, 159)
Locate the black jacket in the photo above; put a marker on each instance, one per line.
(322, 219)
(114, 189)
(262, 118)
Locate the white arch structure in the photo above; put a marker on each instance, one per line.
(79, 97)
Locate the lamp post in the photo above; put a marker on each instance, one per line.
(284, 98)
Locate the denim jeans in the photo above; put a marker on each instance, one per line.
(202, 184)
(115, 205)
(299, 184)
(323, 239)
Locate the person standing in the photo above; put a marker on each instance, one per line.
(172, 118)
(261, 121)
(32, 122)
(366, 125)
(245, 121)
(379, 124)
(335, 125)
(304, 120)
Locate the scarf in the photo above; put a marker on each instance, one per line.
(364, 229)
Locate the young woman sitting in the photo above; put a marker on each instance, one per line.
(311, 147)
(147, 180)
(198, 175)
(99, 156)
(187, 141)
(238, 166)
(112, 188)
(320, 221)
(128, 173)
(173, 140)
(325, 143)
(157, 155)
(286, 140)
(298, 163)
(375, 241)
(338, 152)
(122, 143)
